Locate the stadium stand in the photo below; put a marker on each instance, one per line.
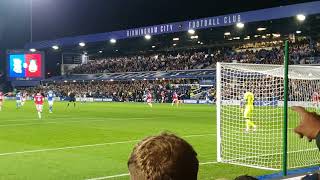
(260, 53)
(126, 78)
(155, 62)
(187, 70)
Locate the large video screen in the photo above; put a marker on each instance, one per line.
(26, 66)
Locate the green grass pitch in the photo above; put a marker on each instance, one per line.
(95, 139)
(264, 147)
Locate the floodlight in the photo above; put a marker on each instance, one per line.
(262, 29)
(148, 36)
(240, 25)
(301, 17)
(191, 31)
(82, 44)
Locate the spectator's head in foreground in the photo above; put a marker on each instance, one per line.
(245, 177)
(163, 157)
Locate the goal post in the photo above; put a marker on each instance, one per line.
(263, 144)
(218, 110)
(285, 110)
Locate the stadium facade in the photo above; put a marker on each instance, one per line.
(197, 24)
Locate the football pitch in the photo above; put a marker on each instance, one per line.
(94, 140)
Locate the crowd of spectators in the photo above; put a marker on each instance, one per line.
(123, 91)
(154, 62)
(259, 53)
(260, 44)
(261, 56)
(272, 53)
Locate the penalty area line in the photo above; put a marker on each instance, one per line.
(42, 122)
(89, 145)
(67, 147)
(109, 177)
(127, 174)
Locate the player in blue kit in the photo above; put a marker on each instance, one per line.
(50, 98)
(18, 100)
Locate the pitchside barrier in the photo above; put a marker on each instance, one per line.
(186, 101)
(274, 103)
(66, 99)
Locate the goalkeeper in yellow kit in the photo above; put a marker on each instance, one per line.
(248, 111)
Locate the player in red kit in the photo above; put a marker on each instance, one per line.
(149, 98)
(39, 99)
(1, 100)
(316, 99)
(163, 96)
(23, 98)
(175, 99)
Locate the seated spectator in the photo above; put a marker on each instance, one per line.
(314, 176)
(163, 157)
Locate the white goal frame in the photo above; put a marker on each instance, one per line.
(294, 74)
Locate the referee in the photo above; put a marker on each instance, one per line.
(72, 98)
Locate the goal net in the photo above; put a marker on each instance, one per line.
(261, 145)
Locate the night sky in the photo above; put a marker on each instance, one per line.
(59, 18)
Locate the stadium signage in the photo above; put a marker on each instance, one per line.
(154, 75)
(25, 65)
(183, 26)
(165, 28)
(214, 21)
(193, 24)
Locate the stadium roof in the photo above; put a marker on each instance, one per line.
(197, 24)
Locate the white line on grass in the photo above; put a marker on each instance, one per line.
(87, 145)
(127, 174)
(29, 119)
(67, 147)
(204, 163)
(199, 135)
(36, 119)
(59, 122)
(209, 162)
(109, 177)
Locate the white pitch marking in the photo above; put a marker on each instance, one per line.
(48, 122)
(209, 162)
(199, 135)
(87, 145)
(109, 177)
(127, 174)
(204, 163)
(22, 120)
(67, 147)
(59, 122)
